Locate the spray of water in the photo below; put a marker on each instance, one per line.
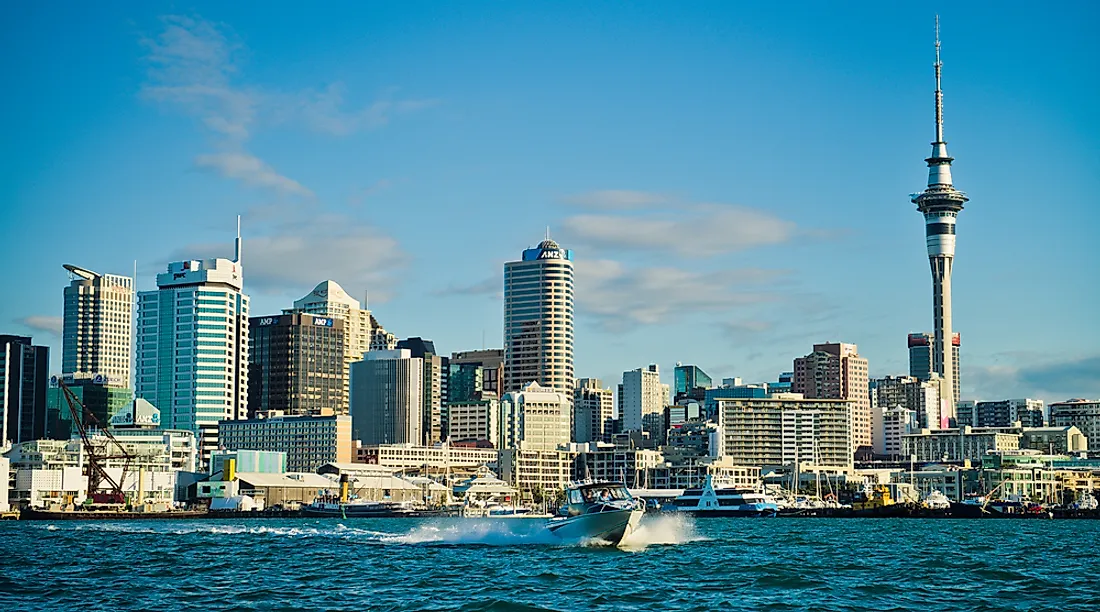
(662, 530)
(654, 530)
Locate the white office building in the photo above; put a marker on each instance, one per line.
(387, 398)
(892, 424)
(535, 418)
(786, 429)
(475, 420)
(643, 394)
(593, 411)
(538, 319)
(193, 346)
(97, 329)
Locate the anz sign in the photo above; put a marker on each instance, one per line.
(322, 322)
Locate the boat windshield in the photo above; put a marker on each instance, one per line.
(607, 493)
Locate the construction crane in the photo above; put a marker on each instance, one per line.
(96, 454)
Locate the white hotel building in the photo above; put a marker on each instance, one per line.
(193, 347)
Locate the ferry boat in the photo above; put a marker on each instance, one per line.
(708, 501)
(597, 510)
(334, 508)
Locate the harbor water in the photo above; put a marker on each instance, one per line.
(672, 563)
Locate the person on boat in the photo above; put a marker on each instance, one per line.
(605, 496)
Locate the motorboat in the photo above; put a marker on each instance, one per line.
(709, 501)
(597, 511)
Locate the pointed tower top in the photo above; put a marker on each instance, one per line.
(939, 92)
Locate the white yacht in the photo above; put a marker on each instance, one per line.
(708, 501)
(936, 500)
(597, 511)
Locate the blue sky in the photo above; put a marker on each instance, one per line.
(733, 180)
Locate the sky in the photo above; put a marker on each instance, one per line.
(733, 179)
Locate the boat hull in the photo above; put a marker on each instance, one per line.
(611, 526)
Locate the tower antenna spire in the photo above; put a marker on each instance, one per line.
(237, 243)
(939, 92)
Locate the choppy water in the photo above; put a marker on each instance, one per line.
(671, 564)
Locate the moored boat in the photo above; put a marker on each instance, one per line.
(39, 514)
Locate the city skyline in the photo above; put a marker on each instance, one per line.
(664, 274)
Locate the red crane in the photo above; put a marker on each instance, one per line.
(96, 452)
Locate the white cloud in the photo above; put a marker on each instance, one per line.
(324, 111)
(618, 199)
(250, 170)
(700, 230)
(49, 325)
(195, 65)
(192, 63)
(291, 249)
(619, 298)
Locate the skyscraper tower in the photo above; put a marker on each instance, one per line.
(940, 204)
(538, 319)
(193, 346)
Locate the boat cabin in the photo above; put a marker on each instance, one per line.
(593, 497)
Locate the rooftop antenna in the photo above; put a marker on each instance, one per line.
(939, 93)
(548, 232)
(237, 243)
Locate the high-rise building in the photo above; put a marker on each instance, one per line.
(691, 382)
(296, 365)
(643, 394)
(1082, 413)
(538, 319)
(436, 381)
(922, 398)
(192, 361)
(475, 372)
(97, 329)
(1003, 413)
(921, 362)
(940, 203)
(835, 370)
(362, 332)
(535, 418)
(786, 429)
(387, 398)
(24, 377)
(593, 411)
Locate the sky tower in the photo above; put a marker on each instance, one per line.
(940, 204)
